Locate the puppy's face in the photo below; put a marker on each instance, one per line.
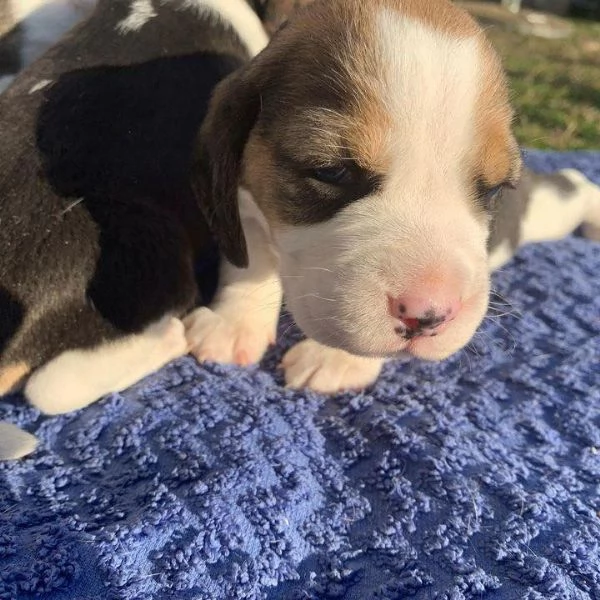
(373, 139)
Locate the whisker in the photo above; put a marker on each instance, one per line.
(317, 269)
(314, 295)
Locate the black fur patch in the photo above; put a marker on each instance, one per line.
(100, 229)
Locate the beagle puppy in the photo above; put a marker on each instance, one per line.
(362, 164)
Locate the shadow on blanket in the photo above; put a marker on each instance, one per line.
(476, 478)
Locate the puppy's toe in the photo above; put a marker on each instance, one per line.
(217, 338)
(328, 370)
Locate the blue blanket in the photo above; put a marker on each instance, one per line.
(477, 478)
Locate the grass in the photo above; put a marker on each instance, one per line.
(556, 86)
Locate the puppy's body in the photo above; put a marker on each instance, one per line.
(369, 144)
(100, 227)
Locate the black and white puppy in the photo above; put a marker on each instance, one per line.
(100, 226)
(355, 164)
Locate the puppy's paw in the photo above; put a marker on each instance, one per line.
(217, 337)
(328, 370)
(169, 333)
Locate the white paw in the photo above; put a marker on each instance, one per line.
(169, 333)
(77, 378)
(328, 370)
(224, 338)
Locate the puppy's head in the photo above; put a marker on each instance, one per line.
(374, 138)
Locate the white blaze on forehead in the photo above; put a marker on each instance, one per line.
(431, 87)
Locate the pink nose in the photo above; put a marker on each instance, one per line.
(422, 315)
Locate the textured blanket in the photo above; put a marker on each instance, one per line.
(477, 478)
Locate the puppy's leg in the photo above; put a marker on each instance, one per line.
(242, 320)
(77, 378)
(328, 370)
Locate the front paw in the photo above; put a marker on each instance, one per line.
(328, 370)
(225, 338)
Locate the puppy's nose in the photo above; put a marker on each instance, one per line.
(423, 315)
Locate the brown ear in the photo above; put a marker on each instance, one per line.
(217, 162)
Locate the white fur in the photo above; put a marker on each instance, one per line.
(40, 85)
(501, 255)
(79, 377)
(242, 321)
(141, 12)
(550, 216)
(337, 274)
(431, 82)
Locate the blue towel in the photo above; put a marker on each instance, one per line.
(477, 478)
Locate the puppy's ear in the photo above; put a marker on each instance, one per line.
(216, 171)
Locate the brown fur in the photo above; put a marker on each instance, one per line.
(497, 154)
(12, 377)
(274, 13)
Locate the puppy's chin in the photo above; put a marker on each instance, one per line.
(370, 331)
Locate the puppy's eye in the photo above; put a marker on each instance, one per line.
(489, 195)
(334, 175)
(493, 192)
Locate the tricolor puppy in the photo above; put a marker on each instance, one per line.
(356, 164)
(372, 142)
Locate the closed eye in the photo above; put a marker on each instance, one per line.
(332, 175)
(490, 194)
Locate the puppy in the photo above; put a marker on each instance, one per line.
(100, 228)
(373, 145)
(357, 163)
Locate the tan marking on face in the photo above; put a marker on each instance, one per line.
(496, 154)
(12, 377)
(260, 176)
(496, 151)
